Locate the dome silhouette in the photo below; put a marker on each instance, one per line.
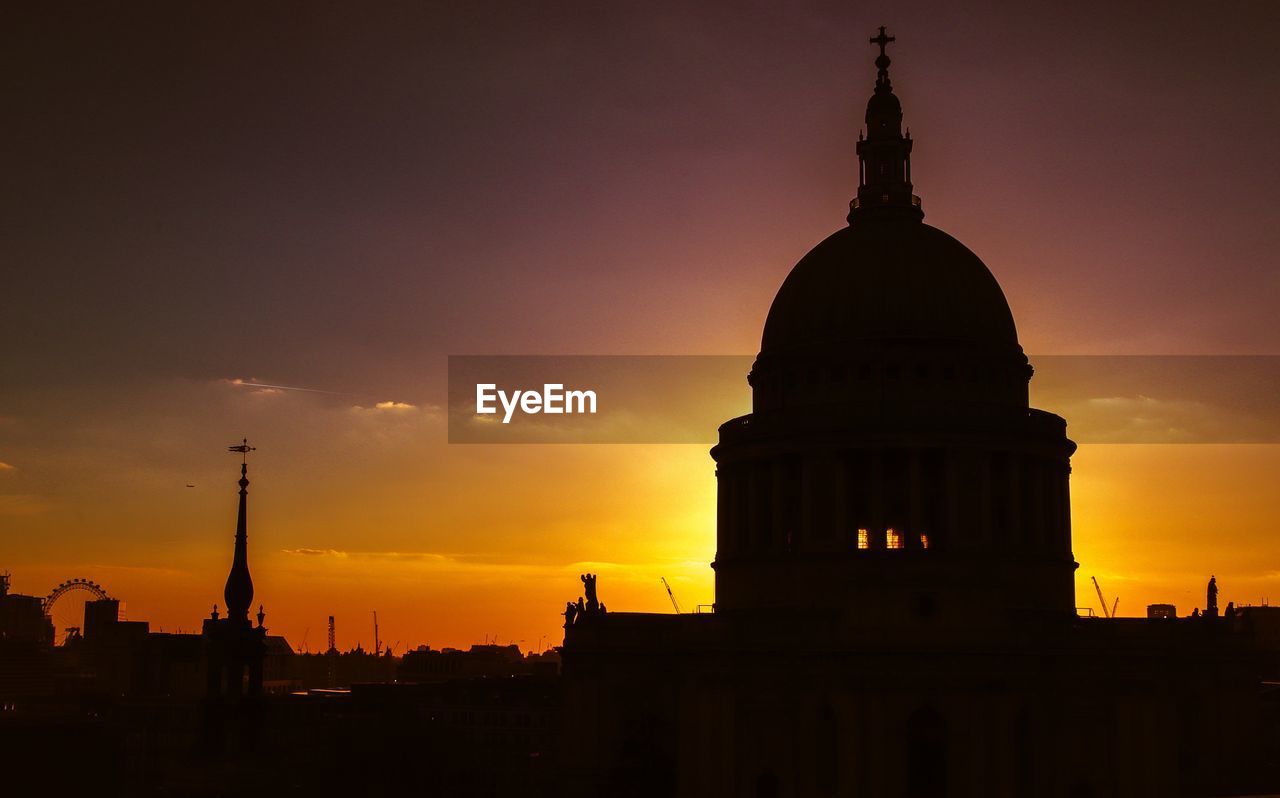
(889, 280)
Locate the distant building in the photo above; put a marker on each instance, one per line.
(429, 665)
(342, 669)
(26, 640)
(22, 617)
(894, 571)
(1162, 611)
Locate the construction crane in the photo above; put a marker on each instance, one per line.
(377, 644)
(333, 638)
(1106, 613)
(672, 596)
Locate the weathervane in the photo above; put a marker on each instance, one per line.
(243, 448)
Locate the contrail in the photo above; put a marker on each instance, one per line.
(287, 387)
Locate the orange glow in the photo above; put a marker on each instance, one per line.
(357, 509)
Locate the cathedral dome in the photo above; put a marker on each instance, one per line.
(891, 469)
(889, 279)
(890, 320)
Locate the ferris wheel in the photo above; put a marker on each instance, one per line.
(68, 614)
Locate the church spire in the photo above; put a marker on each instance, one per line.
(884, 155)
(238, 592)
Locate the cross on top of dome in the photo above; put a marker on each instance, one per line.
(882, 39)
(882, 60)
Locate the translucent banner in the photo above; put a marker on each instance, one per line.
(684, 399)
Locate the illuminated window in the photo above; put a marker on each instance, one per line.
(924, 540)
(892, 540)
(864, 540)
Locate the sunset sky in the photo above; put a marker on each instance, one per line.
(199, 196)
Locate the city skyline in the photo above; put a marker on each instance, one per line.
(199, 242)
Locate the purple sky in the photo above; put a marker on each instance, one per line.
(337, 197)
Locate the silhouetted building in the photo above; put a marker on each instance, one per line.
(428, 665)
(335, 669)
(126, 659)
(895, 607)
(22, 617)
(26, 640)
(476, 736)
(1162, 611)
(234, 648)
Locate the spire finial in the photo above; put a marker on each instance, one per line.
(884, 154)
(238, 592)
(882, 60)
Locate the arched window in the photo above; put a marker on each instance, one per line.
(926, 754)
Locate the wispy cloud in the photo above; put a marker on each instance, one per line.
(487, 563)
(402, 556)
(396, 408)
(1145, 419)
(6, 467)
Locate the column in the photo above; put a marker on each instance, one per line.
(915, 507)
(1063, 543)
(758, 507)
(812, 521)
(875, 492)
(982, 462)
(779, 525)
(1017, 530)
(1039, 535)
(950, 470)
(724, 511)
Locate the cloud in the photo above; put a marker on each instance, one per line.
(411, 556)
(1145, 419)
(480, 562)
(316, 552)
(395, 408)
(6, 467)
